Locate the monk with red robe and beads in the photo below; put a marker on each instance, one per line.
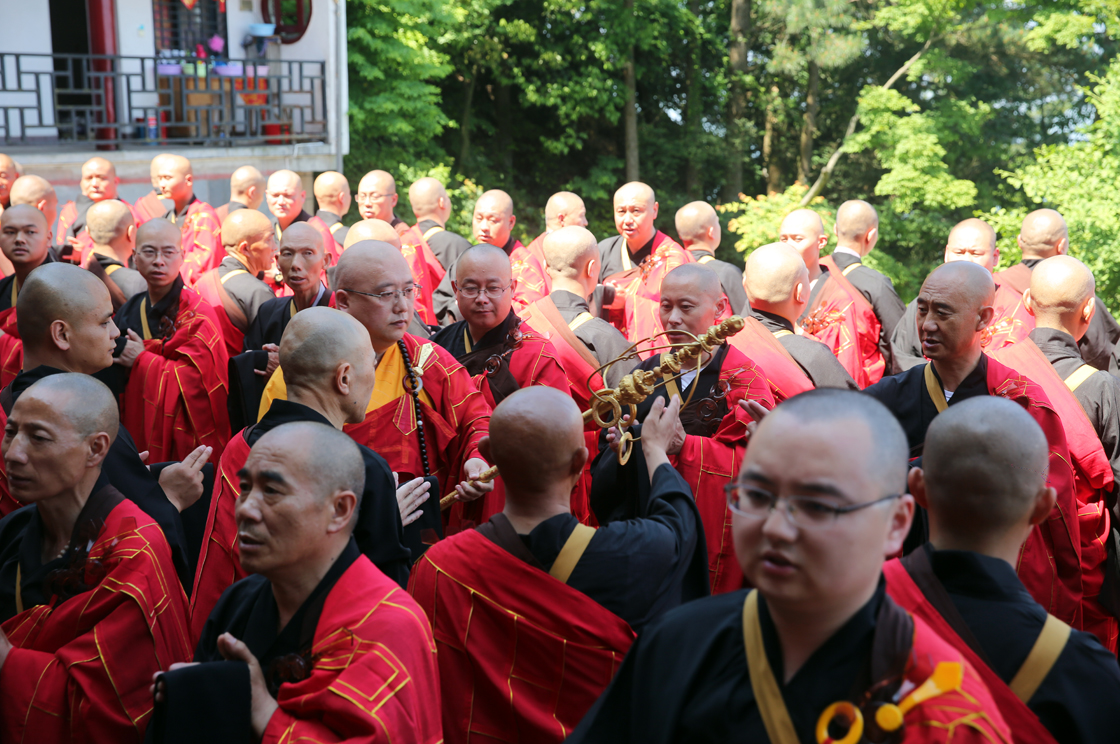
(202, 238)
(817, 651)
(710, 434)
(89, 600)
(317, 644)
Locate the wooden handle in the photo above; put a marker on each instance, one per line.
(486, 476)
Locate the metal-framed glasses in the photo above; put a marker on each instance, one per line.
(803, 511)
(151, 254)
(388, 296)
(492, 292)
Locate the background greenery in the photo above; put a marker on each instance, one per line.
(933, 110)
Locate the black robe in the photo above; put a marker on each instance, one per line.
(273, 317)
(1005, 621)
(446, 245)
(378, 531)
(128, 474)
(610, 253)
(730, 278)
(601, 338)
(685, 678)
(814, 358)
(494, 342)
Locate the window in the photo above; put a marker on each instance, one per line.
(290, 16)
(180, 28)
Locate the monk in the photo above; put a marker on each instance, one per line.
(286, 197)
(425, 416)
(803, 230)
(970, 240)
(235, 288)
(983, 482)
(25, 239)
(38, 192)
(88, 595)
(777, 283)
(246, 191)
(329, 648)
(818, 504)
(66, 323)
(955, 305)
(9, 172)
(302, 260)
(563, 209)
(175, 399)
(380, 230)
(111, 232)
(710, 433)
(330, 375)
(431, 206)
(1062, 299)
(332, 197)
(98, 183)
(853, 308)
(153, 204)
(500, 352)
(202, 239)
(636, 260)
(698, 228)
(533, 611)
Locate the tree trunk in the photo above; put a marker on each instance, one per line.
(505, 130)
(769, 141)
(630, 111)
(809, 125)
(693, 110)
(465, 122)
(737, 100)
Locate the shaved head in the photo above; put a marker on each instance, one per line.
(691, 301)
(242, 225)
(773, 272)
(6, 162)
(158, 232)
(373, 267)
(108, 220)
(564, 209)
(84, 401)
(803, 222)
(57, 291)
(424, 196)
(1060, 286)
(493, 218)
(329, 183)
(31, 190)
(283, 179)
(24, 213)
(985, 461)
(245, 178)
(973, 240)
(302, 233)
(380, 181)
(854, 219)
(374, 229)
(1043, 234)
(99, 179)
(971, 282)
(696, 278)
(693, 221)
(377, 195)
(975, 229)
(495, 200)
(177, 163)
(313, 448)
(534, 436)
(568, 250)
(635, 190)
(365, 259)
(954, 307)
(9, 172)
(483, 258)
(316, 342)
(635, 211)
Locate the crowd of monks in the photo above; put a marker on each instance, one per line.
(267, 477)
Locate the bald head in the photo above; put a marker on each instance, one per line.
(244, 225)
(773, 273)
(177, 163)
(159, 233)
(82, 400)
(695, 279)
(483, 259)
(1062, 295)
(365, 262)
(567, 252)
(973, 240)
(325, 458)
(968, 281)
(301, 233)
(564, 209)
(31, 190)
(493, 218)
(317, 342)
(428, 199)
(59, 292)
(108, 221)
(536, 440)
(24, 213)
(377, 195)
(698, 226)
(855, 221)
(985, 461)
(99, 179)
(495, 200)
(285, 179)
(175, 179)
(332, 192)
(9, 172)
(246, 186)
(378, 230)
(635, 191)
(1043, 234)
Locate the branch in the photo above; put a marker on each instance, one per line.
(826, 172)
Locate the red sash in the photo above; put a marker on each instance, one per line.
(11, 348)
(844, 320)
(148, 207)
(214, 294)
(902, 589)
(522, 656)
(532, 280)
(785, 378)
(1011, 322)
(422, 262)
(579, 363)
(643, 281)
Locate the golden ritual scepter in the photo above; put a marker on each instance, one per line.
(607, 404)
(485, 476)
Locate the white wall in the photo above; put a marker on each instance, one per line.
(135, 38)
(30, 26)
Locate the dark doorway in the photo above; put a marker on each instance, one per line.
(70, 36)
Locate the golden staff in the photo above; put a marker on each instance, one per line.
(485, 476)
(606, 408)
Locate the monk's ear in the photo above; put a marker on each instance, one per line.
(579, 460)
(593, 269)
(656, 206)
(60, 334)
(1043, 505)
(916, 482)
(189, 178)
(1090, 309)
(512, 221)
(1027, 303)
(872, 236)
(484, 449)
(131, 233)
(985, 317)
(799, 292)
(899, 526)
(343, 506)
(341, 299)
(721, 306)
(1063, 246)
(343, 376)
(98, 448)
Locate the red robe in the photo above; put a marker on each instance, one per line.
(374, 676)
(1011, 322)
(534, 363)
(903, 590)
(11, 348)
(643, 282)
(785, 378)
(1093, 481)
(522, 656)
(844, 320)
(177, 389)
(202, 241)
(1050, 560)
(707, 463)
(528, 267)
(148, 207)
(426, 269)
(209, 287)
(81, 668)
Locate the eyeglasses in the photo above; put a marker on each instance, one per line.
(150, 254)
(364, 198)
(802, 511)
(492, 292)
(387, 297)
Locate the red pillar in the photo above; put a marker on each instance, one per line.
(103, 40)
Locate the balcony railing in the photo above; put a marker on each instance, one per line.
(90, 98)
